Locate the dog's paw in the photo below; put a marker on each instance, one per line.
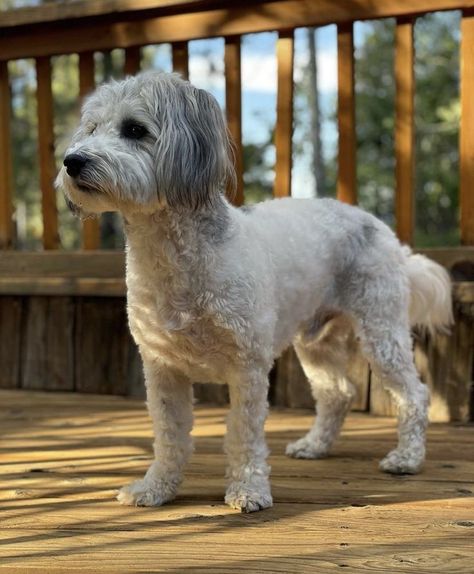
(303, 448)
(247, 497)
(146, 493)
(402, 462)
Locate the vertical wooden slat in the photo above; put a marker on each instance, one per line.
(284, 122)
(90, 227)
(404, 131)
(132, 61)
(346, 181)
(6, 225)
(181, 59)
(86, 73)
(233, 105)
(467, 129)
(46, 153)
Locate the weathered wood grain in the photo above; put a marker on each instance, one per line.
(51, 264)
(47, 354)
(6, 208)
(10, 336)
(64, 456)
(101, 346)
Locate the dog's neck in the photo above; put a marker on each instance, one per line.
(179, 239)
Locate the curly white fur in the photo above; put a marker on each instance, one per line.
(215, 293)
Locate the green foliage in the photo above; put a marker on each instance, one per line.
(375, 93)
(258, 170)
(437, 121)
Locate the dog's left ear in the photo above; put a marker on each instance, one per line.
(194, 152)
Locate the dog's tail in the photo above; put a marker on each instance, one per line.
(430, 288)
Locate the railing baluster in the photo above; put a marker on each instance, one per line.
(46, 153)
(346, 181)
(284, 122)
(467, 129)
(132, 61)
(6, 224)
(181, 59)
(404, 131)
(90, 227)
(233, 105)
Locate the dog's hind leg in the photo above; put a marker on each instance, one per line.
(324, 357)
(388, 346)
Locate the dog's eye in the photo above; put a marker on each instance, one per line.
(133, 131)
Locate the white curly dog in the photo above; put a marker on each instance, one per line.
(215, 292)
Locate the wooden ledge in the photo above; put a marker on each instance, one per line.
(102, 273)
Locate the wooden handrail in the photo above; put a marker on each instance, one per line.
(121, 30)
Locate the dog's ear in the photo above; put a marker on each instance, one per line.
(194, 152)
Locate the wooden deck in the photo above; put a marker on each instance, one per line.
(64, 455)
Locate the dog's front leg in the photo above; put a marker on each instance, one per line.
(169, 399)
(248, 471)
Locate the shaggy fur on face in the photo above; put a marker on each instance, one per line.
(216, 293)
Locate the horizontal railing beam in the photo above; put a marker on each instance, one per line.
(78, 35)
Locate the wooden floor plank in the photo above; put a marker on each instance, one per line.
(64, 455)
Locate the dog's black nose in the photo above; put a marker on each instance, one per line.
(74, 163)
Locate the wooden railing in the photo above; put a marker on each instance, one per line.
(85, 27)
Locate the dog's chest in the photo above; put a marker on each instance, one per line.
(173, 328)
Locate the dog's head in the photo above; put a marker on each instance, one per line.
(146, 142)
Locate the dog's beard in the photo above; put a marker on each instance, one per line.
(77, 211)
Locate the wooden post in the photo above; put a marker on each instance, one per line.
(132, 61)
(404, 131)
(346, 181)
(6, 225)
(467, 129)
(46, 153)
(233, 106)
(90, 227)
(284, 122)
(181, 59)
